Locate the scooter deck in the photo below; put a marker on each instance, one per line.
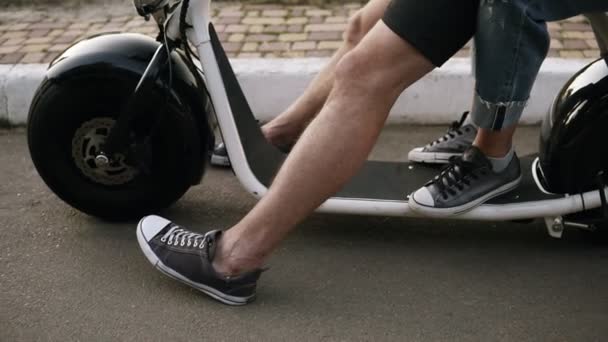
(395, 181)
(377, 180)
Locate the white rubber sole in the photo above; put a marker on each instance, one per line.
(211, 292)
(447, 212)
(430, 157)
(219, 160)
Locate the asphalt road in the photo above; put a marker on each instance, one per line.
(69, 277)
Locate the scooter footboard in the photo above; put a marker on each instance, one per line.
(392, 182)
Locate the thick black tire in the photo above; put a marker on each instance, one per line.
(58, 111)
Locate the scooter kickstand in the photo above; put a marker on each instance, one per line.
(555, 226)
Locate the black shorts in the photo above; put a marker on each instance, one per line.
(437, 28)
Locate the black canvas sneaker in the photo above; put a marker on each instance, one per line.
(188, 256)
(219, 157)
(456, 140)
(465, 183)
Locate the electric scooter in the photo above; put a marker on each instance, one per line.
(122, 126)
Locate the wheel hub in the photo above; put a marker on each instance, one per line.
(86, 153)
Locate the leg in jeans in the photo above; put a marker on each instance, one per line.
(511, 44)
(510, 47)
(287, 127)
(510, 50)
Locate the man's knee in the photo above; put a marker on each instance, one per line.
(354, 73)
(375, 70)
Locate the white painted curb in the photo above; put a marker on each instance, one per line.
(272, 84)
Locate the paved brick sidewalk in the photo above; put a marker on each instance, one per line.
(246, 30)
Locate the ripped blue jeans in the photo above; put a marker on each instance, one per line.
(510, 45)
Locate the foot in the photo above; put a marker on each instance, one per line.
(219, 157)
(457, 139)
(187, 257)
(467, 182)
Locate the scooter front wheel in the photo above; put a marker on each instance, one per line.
(69, 124)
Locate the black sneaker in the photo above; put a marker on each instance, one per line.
(187, 257)
(465, 183)
(219, 157)
(456, 140)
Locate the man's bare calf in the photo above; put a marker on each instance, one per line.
(348, 125)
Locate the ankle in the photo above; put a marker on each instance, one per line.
(499, 164)
(494, 151)
(495, 144)
(229, 261)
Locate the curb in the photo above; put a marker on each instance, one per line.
(271, 85)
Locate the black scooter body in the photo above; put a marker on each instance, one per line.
(573, 134)
(128, 55)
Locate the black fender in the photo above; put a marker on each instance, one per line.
(573, 134)
(128, 55)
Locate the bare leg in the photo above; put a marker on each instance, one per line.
(331, 150)
(287, 127)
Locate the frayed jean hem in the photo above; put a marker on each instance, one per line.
(496, 115)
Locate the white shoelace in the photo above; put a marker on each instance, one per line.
(178, 236)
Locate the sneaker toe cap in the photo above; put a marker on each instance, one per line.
(415, 151)
(151, 225)
(423, 197)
